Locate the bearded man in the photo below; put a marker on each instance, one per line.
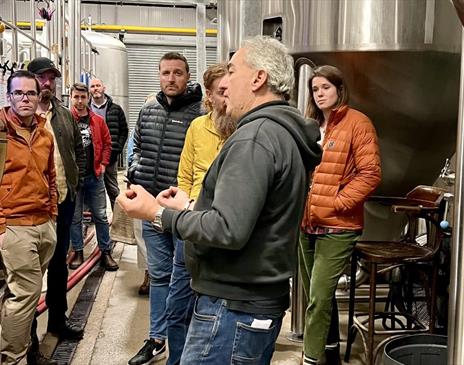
(69, 160)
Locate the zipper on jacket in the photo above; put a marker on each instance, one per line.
(158, 157)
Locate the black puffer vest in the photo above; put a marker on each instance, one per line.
(159, 138)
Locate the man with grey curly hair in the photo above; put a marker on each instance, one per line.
(241, 235)
(271, 55)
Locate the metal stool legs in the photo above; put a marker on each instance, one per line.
(371, 331)
(351, 328)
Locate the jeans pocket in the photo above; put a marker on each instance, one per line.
(202, 329)
(210, 317)
(252, 344)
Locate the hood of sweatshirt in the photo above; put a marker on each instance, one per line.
(305, 132)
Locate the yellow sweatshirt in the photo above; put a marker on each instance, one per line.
(202, 145)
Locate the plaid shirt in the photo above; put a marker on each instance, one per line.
(318, 230)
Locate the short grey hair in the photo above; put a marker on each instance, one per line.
(268, 54)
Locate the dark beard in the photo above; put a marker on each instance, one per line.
(225, 126)
(45, 96)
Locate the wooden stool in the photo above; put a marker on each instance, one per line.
(422, 202)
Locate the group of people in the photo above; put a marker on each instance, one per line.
(55, 160)
(185, 143)
(221, 239)
(225, 186)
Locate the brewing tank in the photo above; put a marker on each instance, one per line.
(343, 25)
(111, 66)
(401, 61)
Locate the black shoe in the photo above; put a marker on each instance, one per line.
(37, 358)
(151, 351)
(331, 356)
(107, 262)
(67, 332)
(77, 260)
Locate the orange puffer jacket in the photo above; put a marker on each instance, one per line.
(348, 173)
(28, 194)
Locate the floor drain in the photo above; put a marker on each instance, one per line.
(65, 350)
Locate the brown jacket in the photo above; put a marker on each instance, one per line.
(27, 190)
(348, 173)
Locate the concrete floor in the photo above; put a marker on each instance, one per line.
(118, 323)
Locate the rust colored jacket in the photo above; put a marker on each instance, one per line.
(348, 173)
(27, 190)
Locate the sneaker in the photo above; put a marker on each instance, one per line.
(151, 351)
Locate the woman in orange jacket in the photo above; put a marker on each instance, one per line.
(333, 218)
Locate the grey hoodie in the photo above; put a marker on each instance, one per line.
(241, 239)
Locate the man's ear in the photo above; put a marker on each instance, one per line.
(208, 93)
(259, 79)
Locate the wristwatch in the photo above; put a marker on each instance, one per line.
(157, 223)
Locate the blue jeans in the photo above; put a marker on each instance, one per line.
(218, 335)
(179, 305)
(160, 251)
(93, 191)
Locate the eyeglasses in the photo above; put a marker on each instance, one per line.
(18, 95)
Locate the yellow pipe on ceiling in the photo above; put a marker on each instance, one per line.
(141, 29)
(38, 24)
(128, 28)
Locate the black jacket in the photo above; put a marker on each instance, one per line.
(69, 141)
(117, 124)
(159, 138)
(241, 239)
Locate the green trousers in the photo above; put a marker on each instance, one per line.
(322, 261)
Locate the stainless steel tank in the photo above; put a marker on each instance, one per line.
(111, 66)
(401, 61)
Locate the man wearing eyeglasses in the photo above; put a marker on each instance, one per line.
(28, 209)
(69, 166)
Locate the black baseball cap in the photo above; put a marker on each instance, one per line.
(41, 64)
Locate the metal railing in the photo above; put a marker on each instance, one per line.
(65, 45)
(14, 44)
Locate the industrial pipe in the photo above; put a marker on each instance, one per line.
(33, 29)
(303, 66)
(141, 29)
(201, 41)
(130, 28)
(14, 35)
